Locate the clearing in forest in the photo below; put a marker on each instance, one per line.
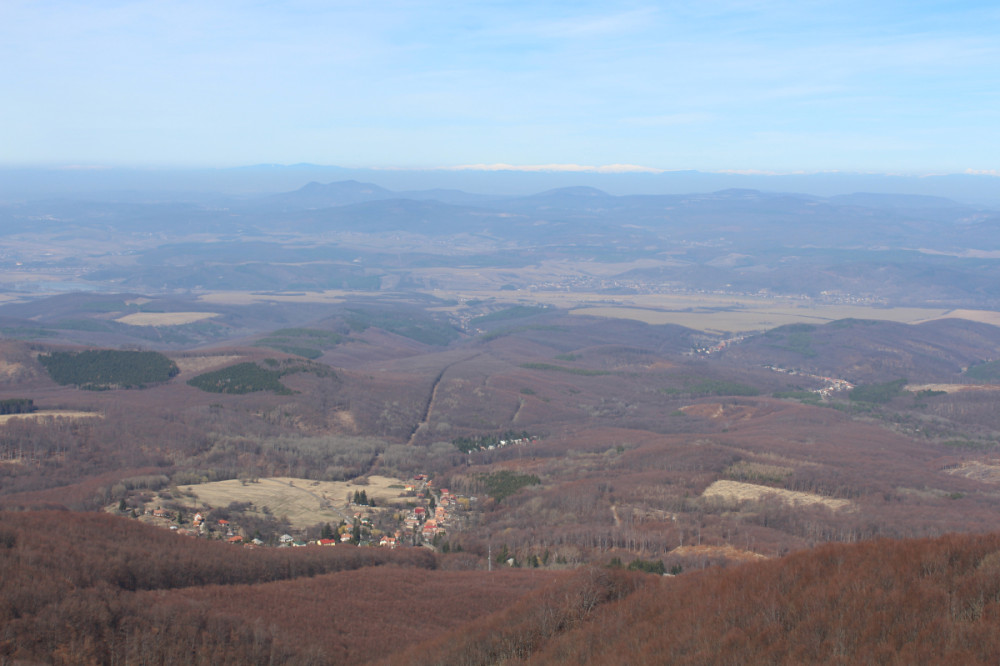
(980, 471)
(305, 502)
(52, 413)
(737, 491)
(199, 364)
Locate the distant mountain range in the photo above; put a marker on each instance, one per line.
(120, 184)
(903, 248)
(744, 218)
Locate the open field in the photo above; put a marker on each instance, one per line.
(982, 316)
(980, 471)
(251, 297)
(11, 370)
(303, 501)
(199, 364)
(756, 319)
(951, 388)
(164, 318)
(52, 413)
(723, 313)
(737, 491)
(727, 551)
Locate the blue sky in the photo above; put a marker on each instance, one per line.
(898, 87)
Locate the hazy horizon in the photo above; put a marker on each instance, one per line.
(27, 183)
(727, 85)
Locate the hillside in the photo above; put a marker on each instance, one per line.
(93, 588)
(872, 350)
(629, 435)
(908, 601)
(894, 602)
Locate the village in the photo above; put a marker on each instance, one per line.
(831, 384)
(421, 514)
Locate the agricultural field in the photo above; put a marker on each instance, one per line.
(762, 318)
(254, 297)
(304, 502)
(951, 388)
(164, 318)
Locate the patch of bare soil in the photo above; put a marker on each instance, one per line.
(715, 410)
(11, 371)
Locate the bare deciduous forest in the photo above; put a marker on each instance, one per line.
(319, 447)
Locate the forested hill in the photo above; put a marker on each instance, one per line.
(102, 369)
(96, 588)
(929, 601)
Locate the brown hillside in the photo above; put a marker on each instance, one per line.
(888, 602)
(92, 588)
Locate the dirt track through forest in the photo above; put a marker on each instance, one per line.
(433, 397)
(517, 412)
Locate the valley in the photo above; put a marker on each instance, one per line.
(467, 397)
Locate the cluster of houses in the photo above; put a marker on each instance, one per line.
(520, 441)
(429, 517)
(199, 527)
(719, 346)
(493, 444)
(832, 384)
(427, 524)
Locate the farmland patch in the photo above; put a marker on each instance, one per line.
(164, 318)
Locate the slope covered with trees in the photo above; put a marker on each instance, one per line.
(889, 602)
(101, 369)
(93, 588)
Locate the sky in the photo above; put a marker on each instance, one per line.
(716, 85)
